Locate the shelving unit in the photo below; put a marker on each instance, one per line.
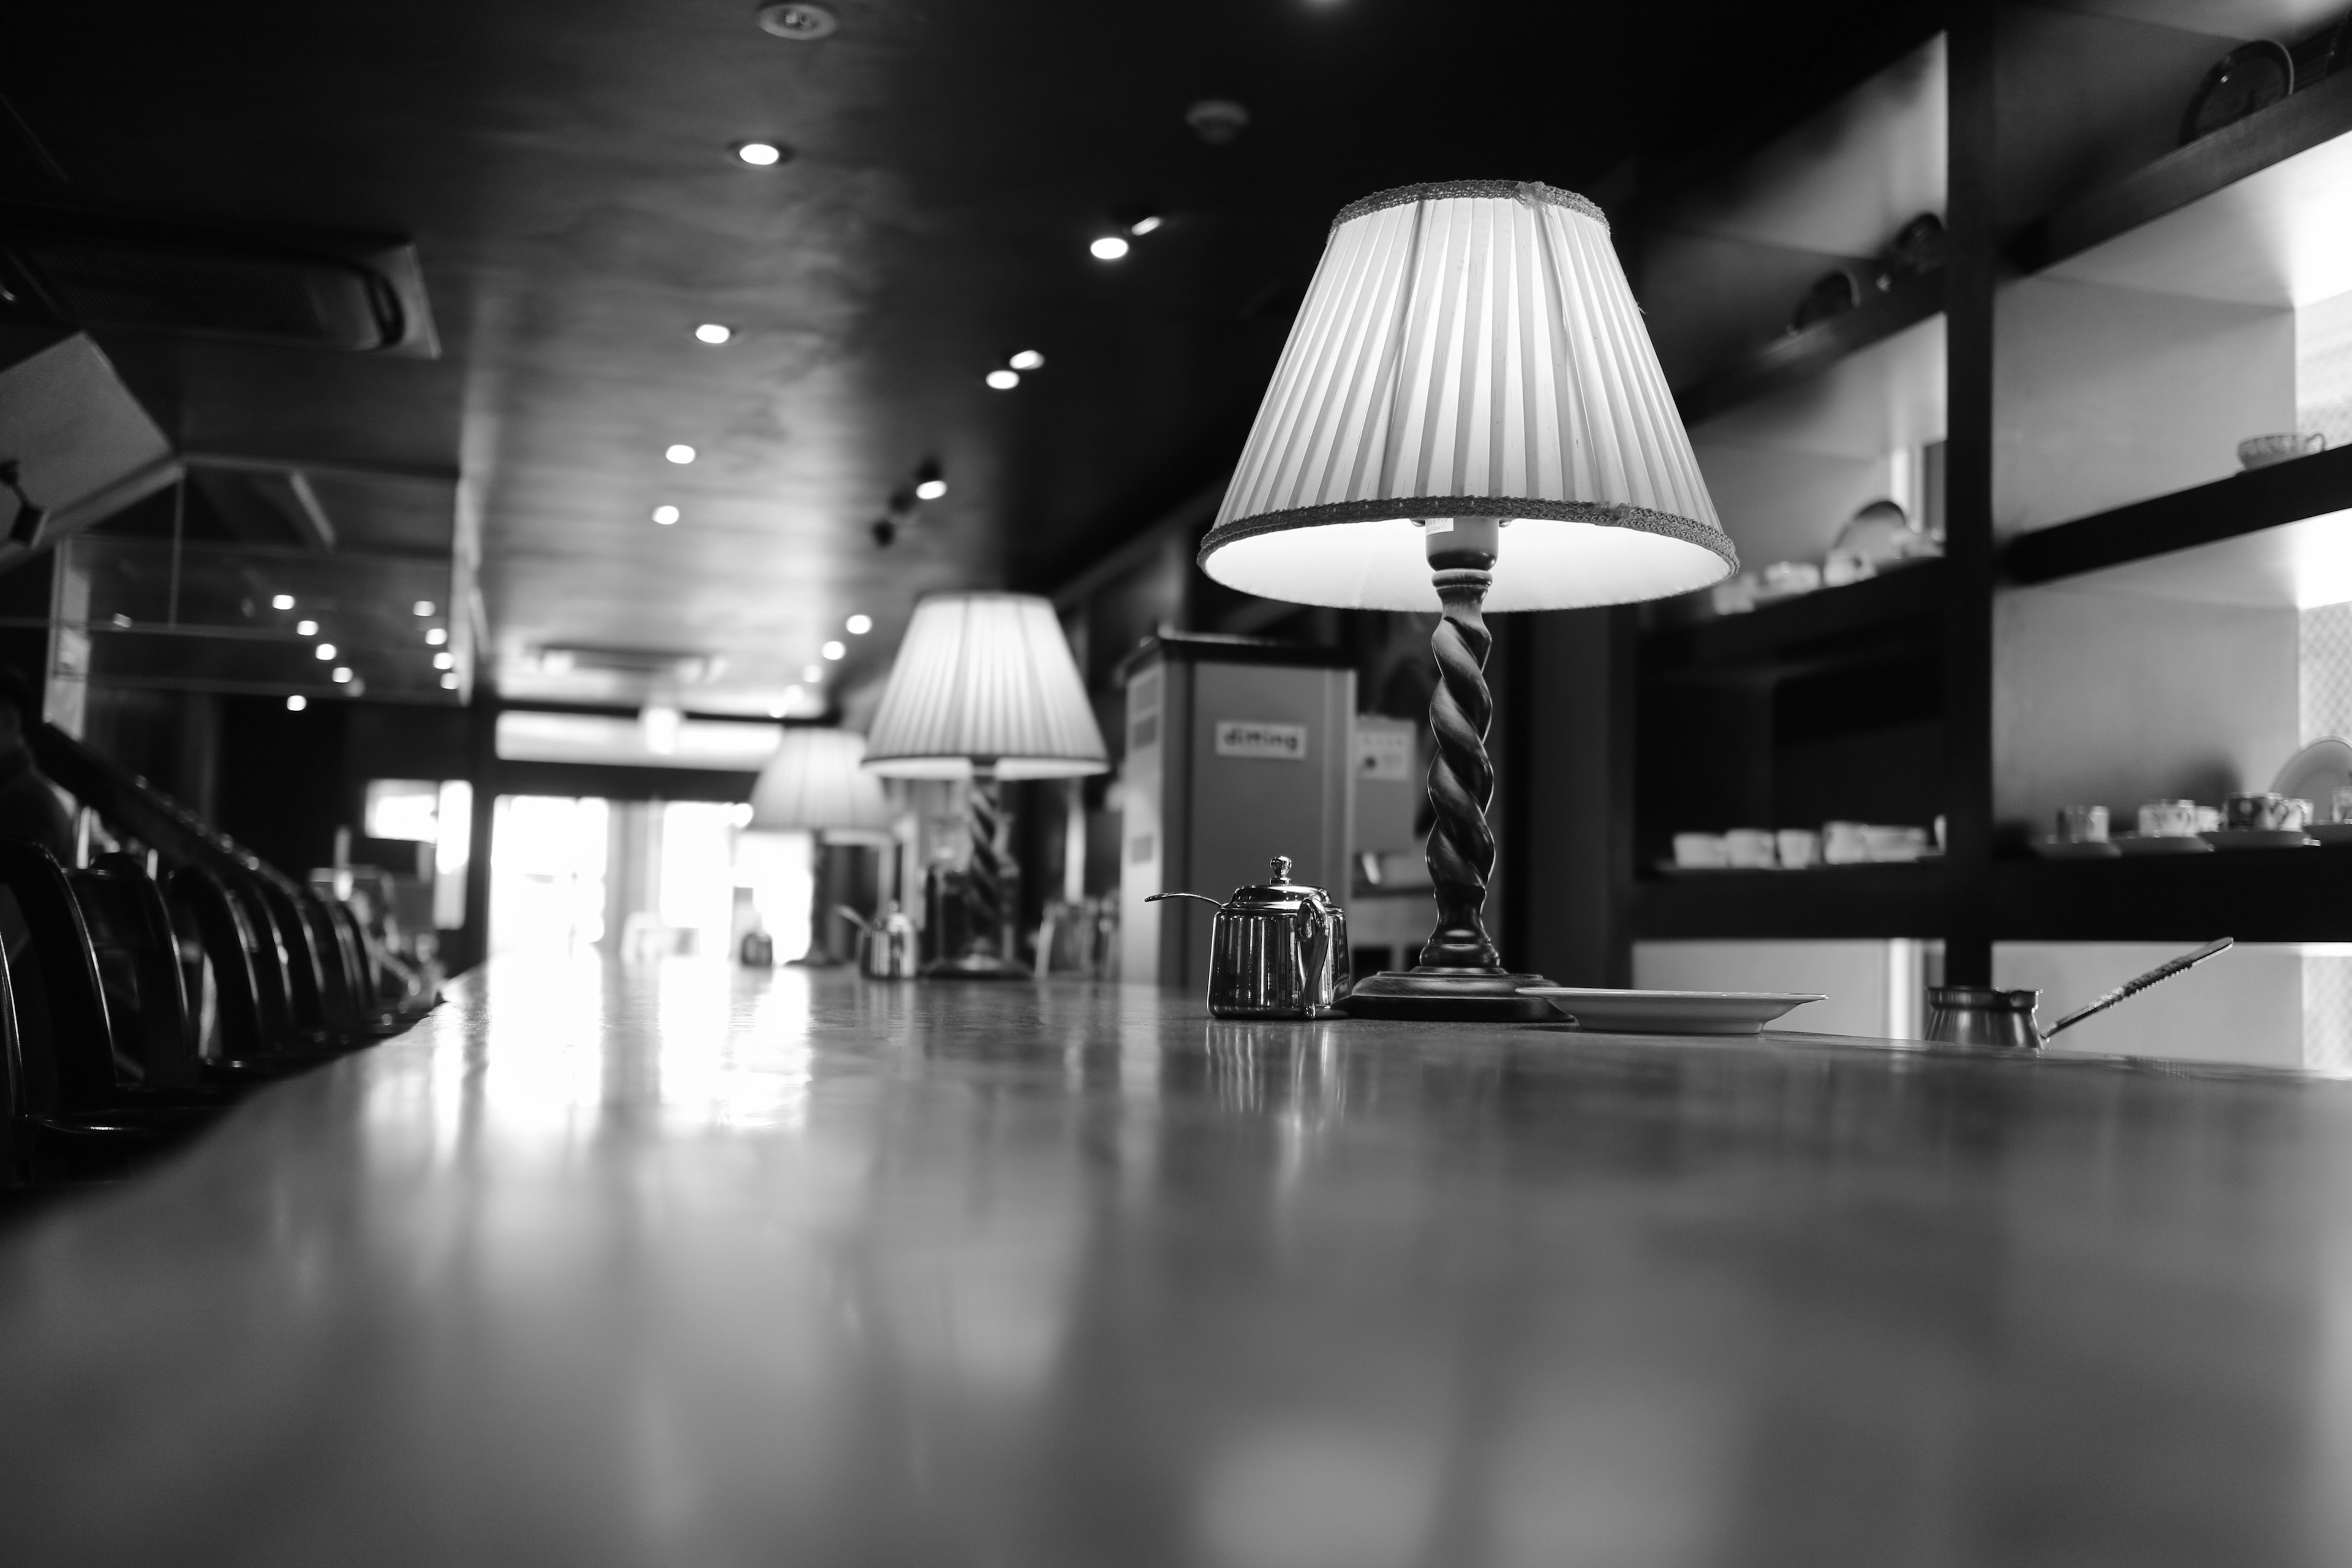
(1796, 357)
(1828, 902)
(2117, 614)
(2307, 492)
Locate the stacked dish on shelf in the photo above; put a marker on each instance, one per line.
(1801, 849)
(2308, 804)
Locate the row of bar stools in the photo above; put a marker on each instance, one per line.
(131, 1011)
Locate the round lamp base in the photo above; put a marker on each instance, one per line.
(1449, 997)
(980, 966)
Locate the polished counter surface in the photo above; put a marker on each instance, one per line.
(680, 1264)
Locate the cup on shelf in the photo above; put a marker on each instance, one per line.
(1842, 843)
(2340, 806)
(1702, 851)
(2082, 824)
(2299, 814)
(1751, 848)
(1800, 847)
(2258, 812)
(1893, 844)
(2208, 818)
(2168, 819)
(2262, 451)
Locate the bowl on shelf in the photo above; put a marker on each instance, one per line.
(2262, 451)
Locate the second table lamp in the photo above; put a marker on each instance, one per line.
(984, 689)
(1468, 415)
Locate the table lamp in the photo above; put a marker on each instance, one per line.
(983, 689)
(1468, 415)
(815, 784)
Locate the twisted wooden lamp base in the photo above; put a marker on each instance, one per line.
(1460, 976)
(986, 891)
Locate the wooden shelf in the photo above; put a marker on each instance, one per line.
(1826, 902)
(1904, 606)
(2256, 212)
(2291, 895)
(1796, 357)
(2285, 895)
(2241, 505)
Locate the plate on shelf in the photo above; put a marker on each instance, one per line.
(2250, 77)
(2075, 849)
(2260, 838)
(2314, 773)
(2154, 844)
(2331, 832)
(1670, 1012)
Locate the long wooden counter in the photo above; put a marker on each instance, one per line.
(684, 1265)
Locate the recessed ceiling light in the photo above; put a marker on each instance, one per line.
(713, 332)
(930, 489)
(1144, 225)
(1004, 380)
(859, 625)
(325, 650)
(813, 674)
(296, 704)
(835, 650)
(1027, 359)
(444, 659)
(760, 155)
(1217, 120)
(448, 683)
(665, 515)
(306, 628)
(342, 675)
(437, 637)
(282, 602)
(680, 453)
(422, 607)
(1109, 248)
(798, 20)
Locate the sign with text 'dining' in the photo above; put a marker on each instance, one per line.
(1260, 739)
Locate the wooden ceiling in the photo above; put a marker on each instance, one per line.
(565, 173)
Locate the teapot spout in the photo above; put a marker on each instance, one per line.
(1217, 904)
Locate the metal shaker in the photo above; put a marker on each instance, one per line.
(1277, 950)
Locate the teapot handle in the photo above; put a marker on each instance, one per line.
(1217, 904)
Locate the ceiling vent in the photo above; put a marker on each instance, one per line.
(687, 668)
(313, 289)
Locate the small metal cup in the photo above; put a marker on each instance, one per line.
(1982, 1016)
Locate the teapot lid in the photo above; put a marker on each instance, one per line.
(1278, 892)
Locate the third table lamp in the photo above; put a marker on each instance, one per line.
(984, 689)
(1468, 416)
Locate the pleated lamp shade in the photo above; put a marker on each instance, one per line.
(1468, 350)
(985, 678)
(816, 784)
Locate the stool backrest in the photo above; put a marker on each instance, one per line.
(204, 911)
(65, 1036)
(139, 961)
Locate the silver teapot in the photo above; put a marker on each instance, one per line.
(886, 944)
(1275, 950)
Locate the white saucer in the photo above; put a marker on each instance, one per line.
(2075, 849)
(2156, 844)
(2260, 838)
(1670, 1012)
